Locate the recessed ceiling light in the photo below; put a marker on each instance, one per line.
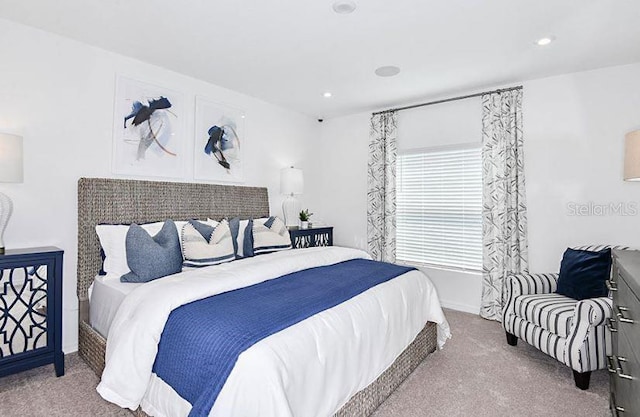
(387, 71)
(344, 6)
(327, 95)
(545, 41)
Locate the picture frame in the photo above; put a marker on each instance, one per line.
(148, 130)
(219, 141)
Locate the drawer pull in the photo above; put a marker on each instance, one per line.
(620, 372)
(615, 408)
(610, 366)
(611, 286)
(621, 317)
(610, 326)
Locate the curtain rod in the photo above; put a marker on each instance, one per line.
(446, 100)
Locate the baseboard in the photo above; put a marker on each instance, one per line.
(460, 307)
(67, 350)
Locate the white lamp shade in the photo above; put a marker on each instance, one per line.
(632, 156)
(291, 181)
(10, 158)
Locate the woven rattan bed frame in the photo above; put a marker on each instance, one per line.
(116, 201)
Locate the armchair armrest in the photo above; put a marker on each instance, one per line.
(520, 284)
(595, 311)
(586, 349)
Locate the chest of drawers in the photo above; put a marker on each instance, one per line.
(624, 364)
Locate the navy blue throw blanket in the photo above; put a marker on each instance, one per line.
(202, 340)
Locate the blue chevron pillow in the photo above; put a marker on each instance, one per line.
(205, 245)
(583, 273)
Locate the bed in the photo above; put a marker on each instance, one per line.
(115, 201)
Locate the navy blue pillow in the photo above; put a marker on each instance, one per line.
(152, 257)
(583, 273)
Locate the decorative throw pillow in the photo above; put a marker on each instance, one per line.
(151, 257)
(204, 245)
(242, 237)
(113, 245)
(270, 235)
(583, 273)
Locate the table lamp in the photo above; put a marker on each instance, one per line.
(291, 184)
(10, 171)
(632, 156)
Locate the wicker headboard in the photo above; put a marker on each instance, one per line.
(128, 201)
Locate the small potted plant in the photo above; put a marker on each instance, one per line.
(304, 218)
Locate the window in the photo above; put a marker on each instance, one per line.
(439, 207)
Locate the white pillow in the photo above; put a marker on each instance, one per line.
(113, 238)
(213, 249)
(270, 235)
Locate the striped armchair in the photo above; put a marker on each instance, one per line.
(573, 332)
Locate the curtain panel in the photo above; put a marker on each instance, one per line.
(504, 211)
(381, 187)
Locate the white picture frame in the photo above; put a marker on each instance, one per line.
(230, 121)
(155, 147)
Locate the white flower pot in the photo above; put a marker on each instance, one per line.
(304, 225)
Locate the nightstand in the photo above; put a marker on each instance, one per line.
(31, 309)
(316, 236)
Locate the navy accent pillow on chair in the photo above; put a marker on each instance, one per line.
(151, 257)
(583, 274)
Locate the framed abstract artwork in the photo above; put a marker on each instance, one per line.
(219, 142)
(148, 130)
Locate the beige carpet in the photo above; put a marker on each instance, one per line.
(477, 374)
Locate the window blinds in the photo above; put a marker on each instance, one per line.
(439, 207)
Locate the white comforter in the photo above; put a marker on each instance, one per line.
(309, 369)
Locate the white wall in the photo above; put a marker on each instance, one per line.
(574, 128)
(337, 174)
(59, 95)
(446, 124)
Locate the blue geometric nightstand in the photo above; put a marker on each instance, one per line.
(31, 309)
(306, 238)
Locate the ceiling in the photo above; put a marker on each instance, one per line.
(290, 52)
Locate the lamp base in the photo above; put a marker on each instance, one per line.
(290, 209)
(6, 208)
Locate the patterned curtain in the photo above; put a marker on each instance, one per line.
(381, 187)
(504, 209)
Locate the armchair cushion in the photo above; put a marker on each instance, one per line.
(552, 312)
(583, 273)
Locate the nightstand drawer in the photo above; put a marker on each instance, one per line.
(31, 310)
(23, 313)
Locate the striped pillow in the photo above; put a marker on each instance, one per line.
(270, 235)
(204, 245)
(241, 236)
